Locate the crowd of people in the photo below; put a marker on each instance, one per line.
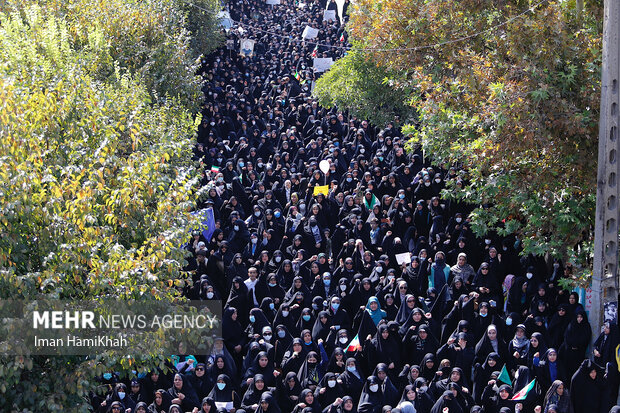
(320, 311)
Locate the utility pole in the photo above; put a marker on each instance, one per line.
(605, 271)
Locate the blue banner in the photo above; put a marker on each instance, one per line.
(208, 222)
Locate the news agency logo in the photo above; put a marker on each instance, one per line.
(86, 319)
(55, 327)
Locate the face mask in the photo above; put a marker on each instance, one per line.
(487, 241)
(285, 313)
(362, 150)
(529, 275)
(374, 387)
(219, 159)
(438, 180)
(278, 259)
(327, 282)
(331, 383)
(209, 295)
(260, 164)
(241, 164)
(221, 386)
(351, 369)
(343, 287)
(319, 132)
(459, 220)
(349, 179)
(401, 196)
(236, 227)
(509, 321)
(107, 376)
(379, 269)
(427, 184)
(276, 214)
(254, 240)
(305, 317)
(267, 337)
(483, 315)
(343, 340)
(390, 278)
(121, 395)
(381, 158)
(281, 333)
(272, 285)
(252, 319)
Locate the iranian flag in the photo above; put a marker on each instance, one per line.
(342, 38)
(522, 394)
(354, 345)
(215, 169)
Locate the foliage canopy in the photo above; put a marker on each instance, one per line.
(516, 105)
(97, 180)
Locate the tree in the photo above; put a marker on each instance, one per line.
(510, 95)
(357, 84)
(97, 178)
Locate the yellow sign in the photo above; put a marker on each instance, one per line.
(321, 190)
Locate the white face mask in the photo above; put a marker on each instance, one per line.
(267, 337)
(256, 213)
(343, 340)
(209, 295)
(427, 184)
(278, 259)
(285, 313)
(459, 220)
(529, 275)
(331, 383)
(379, 269)
(374, 387)
(487, 241)
(254, 240)
(343, 287)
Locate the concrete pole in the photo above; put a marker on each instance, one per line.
(607, 193)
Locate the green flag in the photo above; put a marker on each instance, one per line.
(504, 376)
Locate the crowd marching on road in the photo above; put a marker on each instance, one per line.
(359, 287)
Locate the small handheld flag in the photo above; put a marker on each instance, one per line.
(342, 38)
(315, 52)
(215, 169)
(522, 394)
(504, 376)
(354, 345)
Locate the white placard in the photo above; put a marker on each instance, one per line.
(310, 33)
(405, 257)
(329, 15)
(224, 405)
(273, 2)
(340, 5)
(247, 47)
(322, 64)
